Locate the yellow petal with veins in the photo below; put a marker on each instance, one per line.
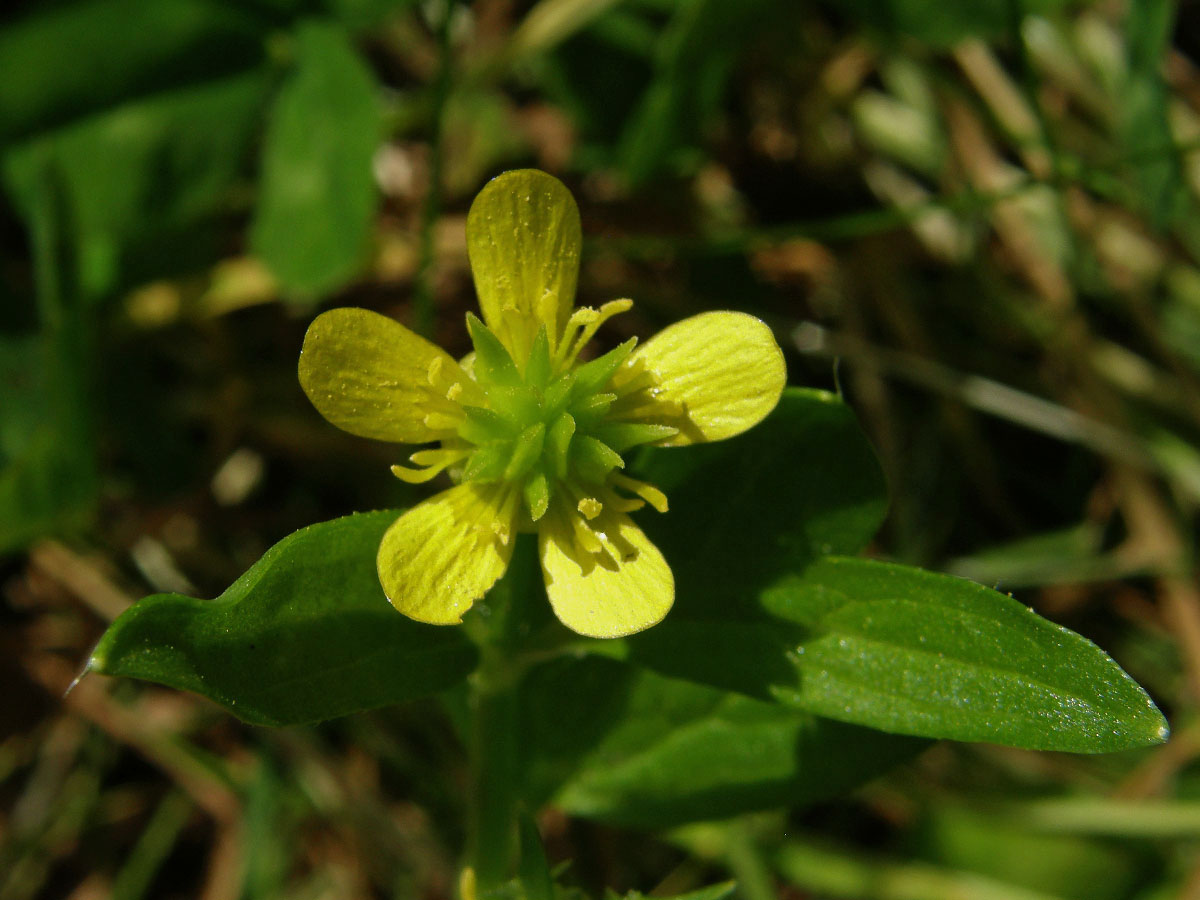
(523, 239)
(717, 374)
(623, 591)
(371, 376)
(444, 554)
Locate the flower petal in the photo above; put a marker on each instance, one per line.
(719, 373)
(623, 594)
(444, 554)
(371, 376)
(523, 241)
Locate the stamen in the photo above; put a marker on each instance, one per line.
(497, 526)
(431, 462)
(647, 492)
(502, 527)
(584, 536)
(587, 322)
(443, 420)
(617, 503)
(590, 507)
(578, 319)
(433, 373)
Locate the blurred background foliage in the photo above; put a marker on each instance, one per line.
(979, 221)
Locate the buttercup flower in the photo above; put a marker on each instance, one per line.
(533, 436)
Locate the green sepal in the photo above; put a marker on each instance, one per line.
(594, 459)
(493, 364)
(592, 376)
(525, 451)
(558, 444)
(537, 494)
(483, 426)
(519, 404)
(557, 394)
(488, 462)
(621, 436)
(591, 411)
(538, 369)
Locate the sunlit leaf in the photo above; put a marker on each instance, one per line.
(306, 634)
(915, 652)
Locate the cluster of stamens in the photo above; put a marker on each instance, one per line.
(548, 432)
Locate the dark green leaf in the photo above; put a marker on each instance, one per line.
(136, 178)
(945, 24)
(78, 58)
(534, 872)
(712, 892)
(318, 197)
(1066, 866)
(48, 475)
(744, 512)
(763, 609)
(48, 471)
(1145, 125)
(642, 750)
(306, 634)
(914, 652)
(696, 54)
(803, 483)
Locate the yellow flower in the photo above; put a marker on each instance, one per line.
(532, 436)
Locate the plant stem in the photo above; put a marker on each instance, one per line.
(493, 796)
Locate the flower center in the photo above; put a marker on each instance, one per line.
(549, 428)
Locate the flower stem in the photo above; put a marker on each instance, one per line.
(494, 738)
(493, 797)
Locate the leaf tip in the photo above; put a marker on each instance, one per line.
(95, 663)
(1163, 732)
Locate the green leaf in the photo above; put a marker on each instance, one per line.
(914, 652)
(696, 55)
(48, 477)
(138, 178)
(1145, 123)
(1066, 866)
(638, 749)
(745, 512)
(306, 634)
(48, 470)
(712, 892)
(314, 215)
(534, 871)
(801, 484)
(945, 24)
(100, 58)
(764, 607)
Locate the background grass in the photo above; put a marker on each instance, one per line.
(978, 221)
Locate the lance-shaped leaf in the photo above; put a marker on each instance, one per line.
(745, 512)
(306, 634)
(915, 652)
(763, 608)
